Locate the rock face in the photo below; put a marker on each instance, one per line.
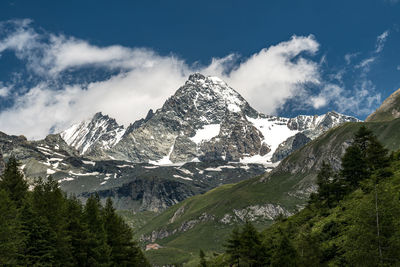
(310, 128)
(291, 144)
(91, 136)
(204, 120)
(389, 110)
(197, 121)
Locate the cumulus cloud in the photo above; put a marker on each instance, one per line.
(139, 79)
(143, 80)
(362, 100)
(275, 74)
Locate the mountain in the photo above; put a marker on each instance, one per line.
(204, 221)
(91, 136)
(204, 136)
(389, 110)
(204, 120)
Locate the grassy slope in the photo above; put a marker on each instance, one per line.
(321, 219)
(210, 235)
(384, 112)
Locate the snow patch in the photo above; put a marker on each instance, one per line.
(84, 174)
(181, 177)
(187, 172)
(219, 168)
(206, 133)
(50, 171)
(66, 179)
(166, 159)
(88, 162)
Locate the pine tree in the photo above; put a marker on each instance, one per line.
(49, 202)
(40, 239)
(77, 232)
(203, 261)
(10, 231)
(252, 251)
(124, 251)
(13, 182)
(99, 251)
(377, 156)
(308, 248)
(354, 166)
(284, 254)
(362, 138)
(233, 247)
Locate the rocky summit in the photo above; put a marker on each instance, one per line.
(204, 135)
(204, 120)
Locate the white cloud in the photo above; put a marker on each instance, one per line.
(145, 79)
(350, 56)
(362, 100)
(365, 63)
(380, 41)
(398, 67)
(275, 74)
(4, 91)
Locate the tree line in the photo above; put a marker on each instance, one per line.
(44, 227)
(352, 220)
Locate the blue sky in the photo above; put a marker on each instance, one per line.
(61, 61)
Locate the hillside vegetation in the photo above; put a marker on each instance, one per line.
(198, 222)
(351, 221)
(43, 227)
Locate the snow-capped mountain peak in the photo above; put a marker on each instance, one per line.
(205, 119)
(101, 131)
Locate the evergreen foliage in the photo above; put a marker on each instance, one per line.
(203, 261)
(12, 181)
(353, 219)
(43, 227)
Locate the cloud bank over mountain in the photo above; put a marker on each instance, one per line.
(67, 79)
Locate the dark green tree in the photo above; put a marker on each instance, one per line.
(77, 232)
(377, 156)
(203, 261)
(10, 231)
(40, 239)
(252, 251)
(49, 202)
(233, 247)
(13, 182)
(331, 188)
(284, 254)
(354, 166)
(308, 247)
(124, 251)
(99, 251)
(362, 138)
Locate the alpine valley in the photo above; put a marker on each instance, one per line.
(205, 221)
(204, 136)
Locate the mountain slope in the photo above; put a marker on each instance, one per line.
(99, 133)
(202, 222)
(389, 110)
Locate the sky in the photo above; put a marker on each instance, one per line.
(63, 61)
